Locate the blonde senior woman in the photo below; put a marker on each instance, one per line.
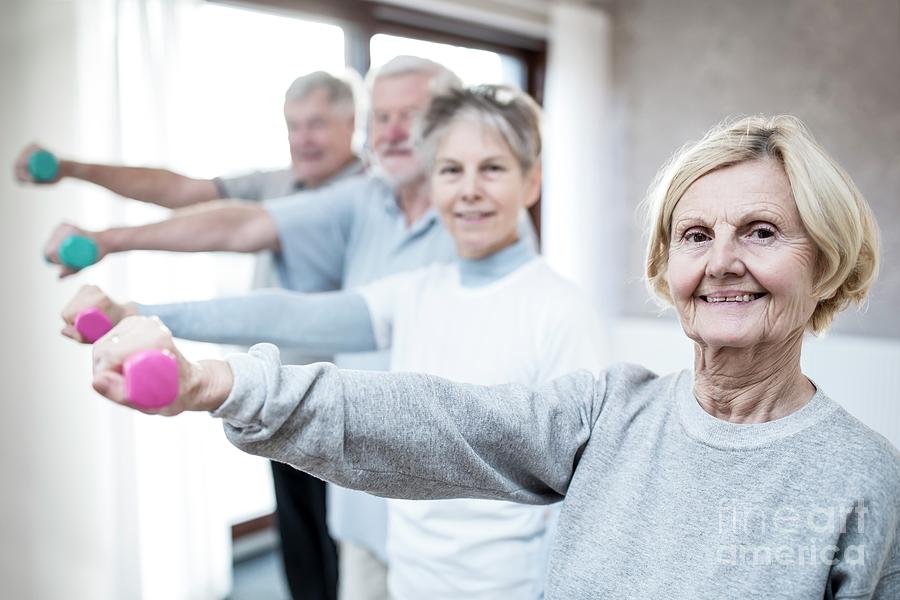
(738, 479)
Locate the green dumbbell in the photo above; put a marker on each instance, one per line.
(43, 166)
(78, 252)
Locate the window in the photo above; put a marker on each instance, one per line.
(473, 66)
(211, 104)
(205, 97)
(238, 64)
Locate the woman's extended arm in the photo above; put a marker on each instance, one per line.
(319, 323)
(409, 435)
(393, 434)
(322, 323)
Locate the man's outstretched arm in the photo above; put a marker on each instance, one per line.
(221, 225)
(156, 186)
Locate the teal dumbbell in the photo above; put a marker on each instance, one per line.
(43, 166)
(78, 252)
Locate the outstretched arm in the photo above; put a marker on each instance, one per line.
(392, 434)
(221, 225)
(156, 186)
(316, 323)
(320, 323)
(315, 226)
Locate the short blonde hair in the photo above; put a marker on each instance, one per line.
(837, 218)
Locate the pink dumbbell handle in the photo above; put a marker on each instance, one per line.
(151, 379)
(92, 324)
(151, 376)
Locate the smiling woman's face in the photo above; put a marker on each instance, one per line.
(741, 267)
(479, 189)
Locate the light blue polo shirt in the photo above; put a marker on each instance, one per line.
(266, 185)
(346, 235)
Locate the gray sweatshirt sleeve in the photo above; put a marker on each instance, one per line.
(408, 435)
(327, 322)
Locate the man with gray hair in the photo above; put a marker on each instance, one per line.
(319, 111)
(340, 237)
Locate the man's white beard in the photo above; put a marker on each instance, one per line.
(395, 180)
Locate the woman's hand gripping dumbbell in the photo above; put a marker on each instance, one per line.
(135, 361)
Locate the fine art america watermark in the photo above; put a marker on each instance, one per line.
(787, 536)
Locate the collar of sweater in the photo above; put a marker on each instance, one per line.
(724, 435)
(478, 272)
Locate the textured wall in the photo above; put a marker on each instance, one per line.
(681, 66)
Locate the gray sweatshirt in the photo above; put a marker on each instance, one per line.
(661, 500)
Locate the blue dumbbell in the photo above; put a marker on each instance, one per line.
(43, 166)
(78, 252)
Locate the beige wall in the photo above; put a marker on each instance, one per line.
(682, 65)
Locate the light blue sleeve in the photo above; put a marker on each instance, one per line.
(323, 323)
(314, 233)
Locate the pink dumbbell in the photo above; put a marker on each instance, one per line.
(151, 376)
(92, 324)
(151, 379)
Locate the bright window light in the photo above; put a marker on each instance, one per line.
(472, 66)
(237, 65)
(224, 116)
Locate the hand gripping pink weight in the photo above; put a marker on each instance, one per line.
(92, 324)
(151, 377)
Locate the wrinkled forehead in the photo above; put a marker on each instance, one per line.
(735, 192)
(317, 102)
(401, 91)
(473, 135)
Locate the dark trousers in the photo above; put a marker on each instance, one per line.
(307, 551)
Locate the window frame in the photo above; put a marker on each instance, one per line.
(363, 19)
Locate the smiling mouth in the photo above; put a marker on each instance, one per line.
(733, 299)
(473, 216)
(397, 152)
